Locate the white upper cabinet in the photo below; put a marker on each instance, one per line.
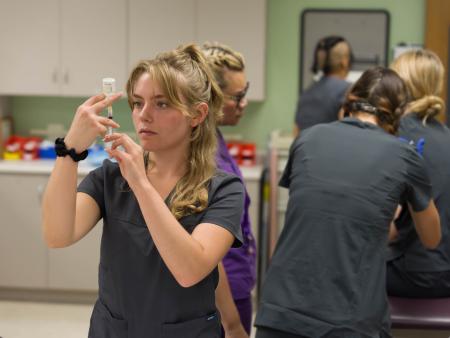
(29, 36)
(62, 47)
(240, 24)
(65, 47)
(156, 26)
(93, 45)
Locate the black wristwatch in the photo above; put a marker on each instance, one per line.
(61, 151)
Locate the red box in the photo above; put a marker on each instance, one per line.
(242, 152)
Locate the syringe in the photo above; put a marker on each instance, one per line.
(109, 88)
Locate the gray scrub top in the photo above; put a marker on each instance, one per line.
(436, 150)
(321, 102)
(327, 274)
(138, 296)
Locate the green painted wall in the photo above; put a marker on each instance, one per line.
(32, 112)
(277, 111)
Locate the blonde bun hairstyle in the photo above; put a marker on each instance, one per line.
(423, 73)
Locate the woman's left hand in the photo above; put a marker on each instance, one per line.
(130, 159)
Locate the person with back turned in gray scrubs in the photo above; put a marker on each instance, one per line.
(412, 270)
(326, 278)
(169, 216)
(321, 102)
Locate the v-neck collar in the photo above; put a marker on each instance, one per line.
(361, 124)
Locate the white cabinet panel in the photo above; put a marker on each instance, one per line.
(65, 47)
(253, 189)
(25, 260)
(29, 36)
(76, 267)
(93, 45)
(241, 25)
(62, 47)
(156, 26)
(23, 253)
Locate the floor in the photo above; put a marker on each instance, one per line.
(43, 320)
(39, 320)
(19, 319)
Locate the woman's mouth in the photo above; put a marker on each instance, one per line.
(146, 132)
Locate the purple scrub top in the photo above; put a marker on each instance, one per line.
(239, 263)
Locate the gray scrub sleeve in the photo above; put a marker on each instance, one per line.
(226, 205)
(418, 186)
(285, 179)
(93, 185)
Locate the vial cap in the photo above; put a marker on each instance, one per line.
(109, 86)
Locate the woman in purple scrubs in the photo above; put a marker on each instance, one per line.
(240, 273)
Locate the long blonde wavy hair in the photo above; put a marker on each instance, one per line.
(186, 81)
(423, 73)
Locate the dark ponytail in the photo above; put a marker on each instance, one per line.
(380, 92)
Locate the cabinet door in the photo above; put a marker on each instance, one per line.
(76, 267)
(93, 38)
(156, 26)
(29, 36)
(242, 26)
(253, 189)
(23, 253)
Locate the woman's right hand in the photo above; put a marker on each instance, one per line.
(88, 124)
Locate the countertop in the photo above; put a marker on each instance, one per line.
(46, 166)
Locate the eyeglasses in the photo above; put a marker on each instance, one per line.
(239, 96)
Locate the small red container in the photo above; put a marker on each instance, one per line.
(242, 152)
(22, 148)
(30, 149)
(248, 154)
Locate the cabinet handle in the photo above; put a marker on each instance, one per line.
(66, 77)
(55, 76)
(40, 191)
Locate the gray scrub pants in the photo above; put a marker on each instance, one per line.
(400, 283)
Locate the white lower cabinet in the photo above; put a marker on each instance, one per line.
(76, 267)
(25, 260)
(23, 253)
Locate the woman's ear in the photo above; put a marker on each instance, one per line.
(202, 111)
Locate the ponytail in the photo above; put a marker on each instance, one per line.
(427, 107)
(186, 81)
(380, 92)
(423, 73)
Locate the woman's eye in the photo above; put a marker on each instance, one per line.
(137, 105)
(162, 104)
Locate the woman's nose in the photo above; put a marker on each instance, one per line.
(146, 113)
(243, 103)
